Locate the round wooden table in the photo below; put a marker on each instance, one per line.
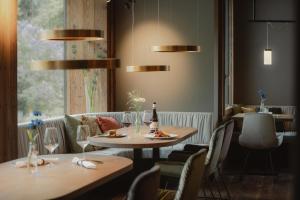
(138, 141)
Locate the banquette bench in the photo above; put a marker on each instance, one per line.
(200, 120)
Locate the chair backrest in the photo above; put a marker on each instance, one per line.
(191, 176)
(146, 185)
(258, 131)
(229, 125)
(215, 147)
(278, 124)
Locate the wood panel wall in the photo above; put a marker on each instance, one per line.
(111, 53)
(8, 80)
(85, 14)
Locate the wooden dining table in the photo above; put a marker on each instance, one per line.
(279, 117)
(62, 181)
(138, 141)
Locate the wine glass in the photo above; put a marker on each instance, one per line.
(51, 140)
(147, 117)
(126, 120)
(83, 131)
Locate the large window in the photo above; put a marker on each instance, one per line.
(39, 90)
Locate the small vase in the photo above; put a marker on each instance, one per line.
(138, 122)
(32, 158)
(262, 106)
(89, 94)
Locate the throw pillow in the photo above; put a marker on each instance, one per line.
(92, 123)
(108, 123)
(247, 110)
(236, 108)
(71, 128)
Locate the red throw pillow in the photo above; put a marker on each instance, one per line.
(107, 123)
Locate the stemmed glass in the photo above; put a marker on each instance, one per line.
(51, 140)
(126, 120)
(83, 131)
(147, 117)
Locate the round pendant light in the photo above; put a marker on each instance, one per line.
(72, 34)
(148, 68)
(108, 63)
(141, 68)
(176, 48)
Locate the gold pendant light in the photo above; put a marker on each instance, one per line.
(108, 63)
(142, 68)
(72, 34)
(148, 68)
(176, 48)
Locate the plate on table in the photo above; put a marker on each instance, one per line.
(112, 136)
(152, 136)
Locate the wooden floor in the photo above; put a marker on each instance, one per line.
(253, 187)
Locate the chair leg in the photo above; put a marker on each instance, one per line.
(210, 188)
(244, 165)
(225, 186)
(205, 196)
(223, 183)
(271, 163)
(217, 187)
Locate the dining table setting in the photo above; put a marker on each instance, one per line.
(69, 177)
(279, 117)
(60, 176)
(127, 137)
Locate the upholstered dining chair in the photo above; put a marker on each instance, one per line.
(229, 126)
(259, 133)
(190, 179)
(145, 186)
(173, 167)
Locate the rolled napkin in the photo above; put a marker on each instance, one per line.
(23, 163)
(83, 163)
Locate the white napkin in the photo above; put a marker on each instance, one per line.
(83, 163)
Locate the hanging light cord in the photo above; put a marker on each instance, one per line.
(158, 23)
(268, 35)
(197, 21)
(132, 33)
(268, 24)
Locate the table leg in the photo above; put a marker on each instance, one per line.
(137, 160)
(155, 154)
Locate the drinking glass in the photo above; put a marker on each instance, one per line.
(51, 140)
(147, 116)
(126, 120)
(83, 131)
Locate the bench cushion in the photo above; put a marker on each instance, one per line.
(71, 124)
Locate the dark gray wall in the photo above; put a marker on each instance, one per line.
(250, 74)
(189, 86)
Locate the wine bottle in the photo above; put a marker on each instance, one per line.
(154, 120)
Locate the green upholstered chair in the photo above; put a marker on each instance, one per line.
(173, 168)
(212, 158)
(229, 126)
(190, 179)
(145, 186)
